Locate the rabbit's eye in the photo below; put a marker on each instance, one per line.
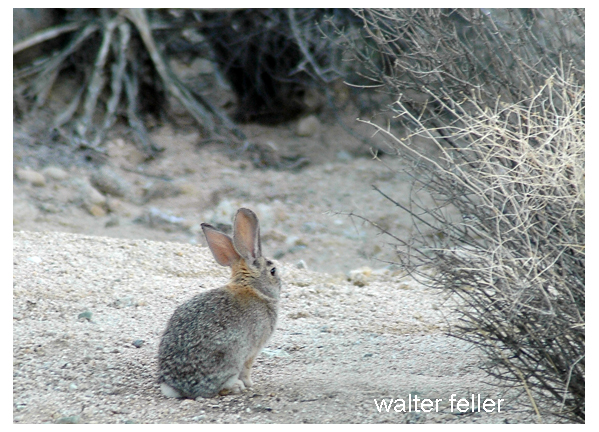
(273, 271)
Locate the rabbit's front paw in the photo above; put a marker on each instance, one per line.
(244, 376)
(233, 386)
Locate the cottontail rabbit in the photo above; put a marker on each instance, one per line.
(211, 341)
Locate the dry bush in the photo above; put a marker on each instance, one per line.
(276, 60)
(116, 66)
(508, 129)
(116, 62)
(490, 53)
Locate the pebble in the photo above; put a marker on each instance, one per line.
(69, 420)
(96, 210)
(30, 176)
(301, 264)
(88, 194)
(93, 196)
(110, 183)
(308, 126)
(138, 343)
(87, 315)
(359, 276)
(55, 173)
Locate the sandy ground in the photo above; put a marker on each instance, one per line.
(103, 254)
(88, 313)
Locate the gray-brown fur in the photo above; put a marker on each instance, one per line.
(212, 340)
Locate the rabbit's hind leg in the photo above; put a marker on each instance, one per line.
(246, 372)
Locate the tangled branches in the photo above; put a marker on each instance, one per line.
(510, 159)
(275, 59)
(487, 53)
(117, 59)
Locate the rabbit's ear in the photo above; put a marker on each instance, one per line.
(220, 245)
(246, 234)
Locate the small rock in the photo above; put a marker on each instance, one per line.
(88, 194)
(95, 197)
(68, 420)
(110, 183)
(34, 259)
(87, 315)
(55, 173)
(308, 126)
(301, 264)
(96, 210)
(30, 176)
(359, 276)
(138, 343)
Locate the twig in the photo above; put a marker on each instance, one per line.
(44, 35)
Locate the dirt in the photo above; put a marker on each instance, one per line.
(103, 253)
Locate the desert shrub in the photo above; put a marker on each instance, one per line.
(115, 67)
(275, 59)
(500, 97)
(117, 62)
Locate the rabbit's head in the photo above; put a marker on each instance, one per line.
(243, 253)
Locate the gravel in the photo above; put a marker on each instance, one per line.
(88, 313)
